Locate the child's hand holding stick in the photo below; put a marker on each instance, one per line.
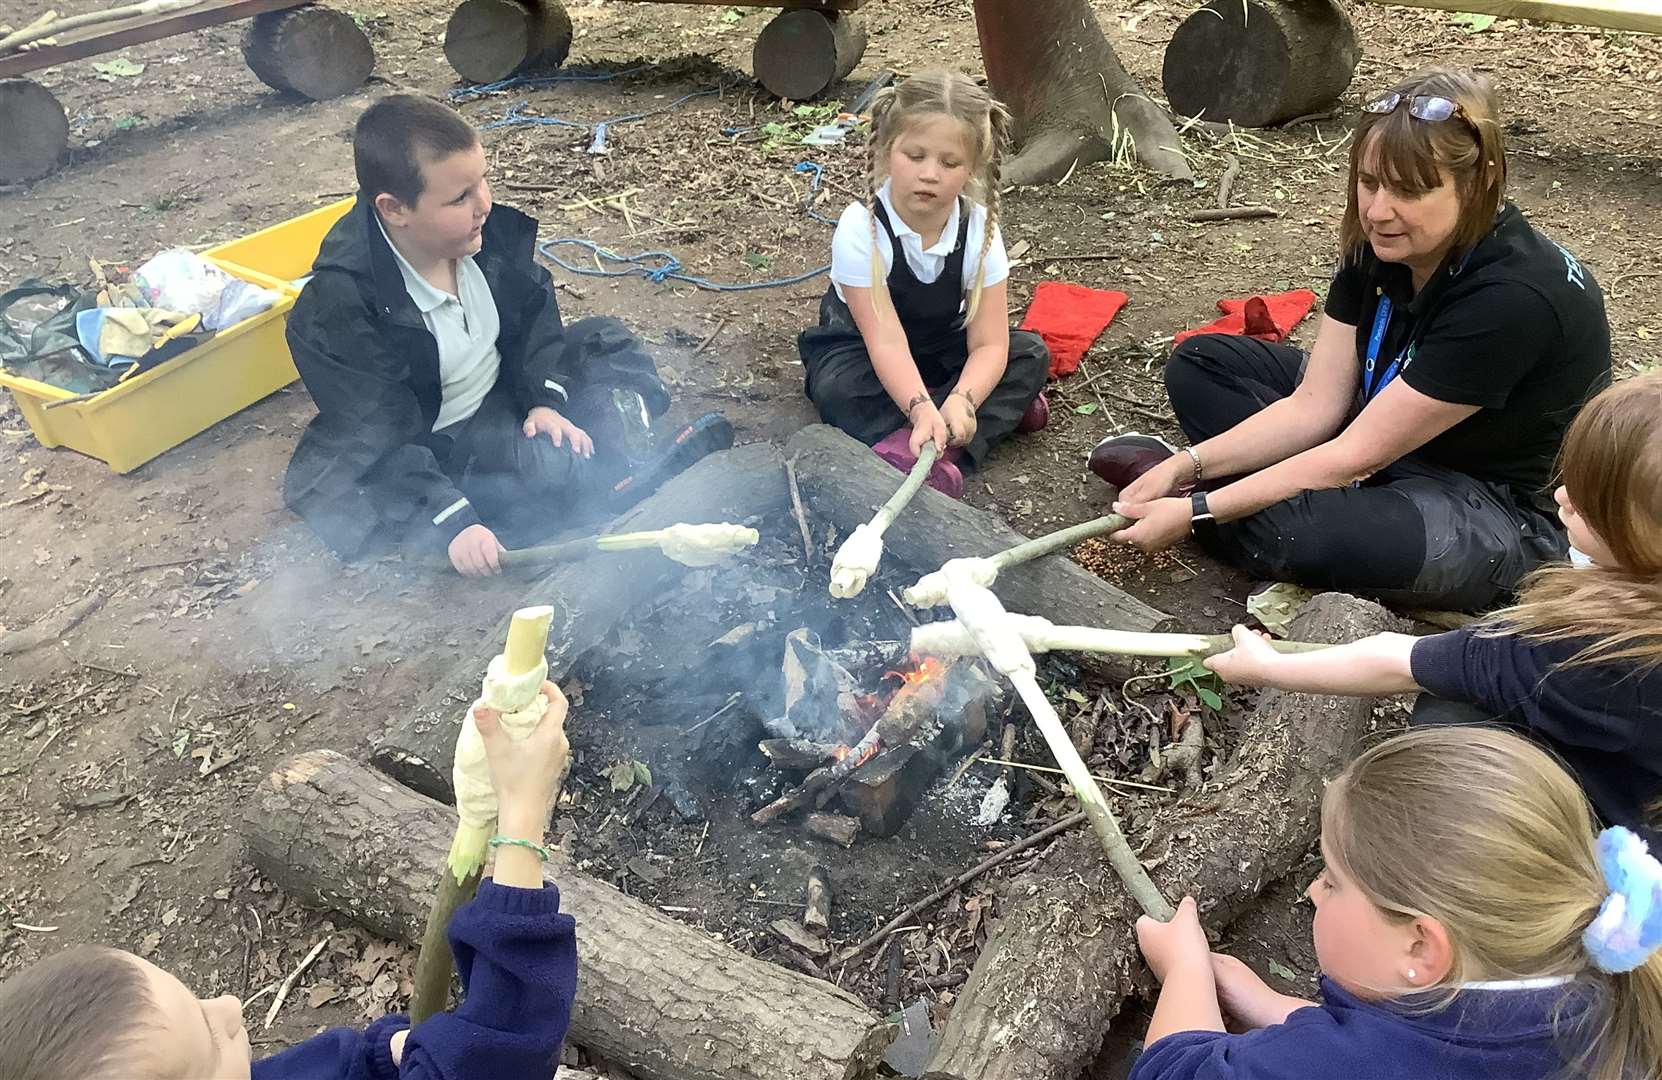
(509, 757)
(858, 556)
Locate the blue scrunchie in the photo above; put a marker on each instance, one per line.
(1628, 928)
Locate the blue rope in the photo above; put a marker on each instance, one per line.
(514, 117)
(468, 93)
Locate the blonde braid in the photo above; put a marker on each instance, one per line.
(876, 146)
(994, 138)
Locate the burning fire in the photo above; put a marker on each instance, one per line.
(923, 671)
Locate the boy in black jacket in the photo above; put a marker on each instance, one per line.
(452, 403)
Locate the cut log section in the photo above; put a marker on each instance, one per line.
(664, 999)
(1062, 957)
(590, 598)
(37, 131)
(312, 51)
(845, 482)
(488, 40)
(1259, 62)
(803, 53)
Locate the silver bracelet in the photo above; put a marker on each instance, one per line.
(1194, 455)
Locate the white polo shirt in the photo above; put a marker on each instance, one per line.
(465, 327)
(851, 246)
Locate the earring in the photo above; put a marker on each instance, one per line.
(1411, 974)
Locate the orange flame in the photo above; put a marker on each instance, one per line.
(843, 750)
(925, 668)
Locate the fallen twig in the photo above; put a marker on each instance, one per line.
(1226, 184)
(288, 983)
(50, 627)
(1048, 769)
(854, 952)
(801, 515)
(1234, 213)
(711, 336)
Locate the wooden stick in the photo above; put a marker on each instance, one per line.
(853, 952)
(801, 515)
(524, 650)
(1234, 213)
(42, 28)
(951, 637)
(930, 590)
(711, 336)
(1011, 764)
(1226, 184)
(288, 983)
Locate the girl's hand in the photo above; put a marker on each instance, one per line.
(1252, 662)
(928, 426)
(1251, 1001)
(1159, 524)
(526, 773)
(1164, 479)
(1180, 943)
(960, 419)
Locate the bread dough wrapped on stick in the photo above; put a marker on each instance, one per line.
(513, 688)
(689, 545)
(858, 557)
(930, 589)
(952, 638)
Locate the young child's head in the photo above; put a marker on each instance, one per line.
(935, 136)
(93, 1013)
(1456, 855)
(423, 168)
(1611, 504)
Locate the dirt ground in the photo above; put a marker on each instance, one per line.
(229, 637)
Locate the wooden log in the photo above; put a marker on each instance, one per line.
(816, 907)
(313, 51)
(1259, 62)
(590, 599)
(837, 829)
(662, 999)
(37, 131)
(488, 40)
(845, 482)
(803, 53)
(1062, 957)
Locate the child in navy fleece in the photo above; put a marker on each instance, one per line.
(1467, 926)
(1577, 664)
(93, 1013)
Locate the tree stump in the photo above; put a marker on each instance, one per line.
(36, 131)
(1063, 954)
(664, 999)
(1260, 62)
(312, 51)
(803, 53)
(1070, 97)
(489, 40)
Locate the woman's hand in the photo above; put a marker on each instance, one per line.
(526, 772)
(1179, 944)
(959, 415)
(928, 426)
(1164, 479)
(1159, 524)
(1252, 662)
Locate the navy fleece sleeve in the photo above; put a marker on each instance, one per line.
(338, 1054)
(517, 956)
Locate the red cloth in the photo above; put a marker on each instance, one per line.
(1069, 317)
(1267, 318)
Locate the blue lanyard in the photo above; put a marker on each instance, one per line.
(1381, 320)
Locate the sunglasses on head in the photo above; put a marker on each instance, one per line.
(1427, 107)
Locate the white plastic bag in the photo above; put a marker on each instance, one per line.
(181, 280)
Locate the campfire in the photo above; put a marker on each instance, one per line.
(876, 751)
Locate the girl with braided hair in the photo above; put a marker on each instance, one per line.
(918, 349)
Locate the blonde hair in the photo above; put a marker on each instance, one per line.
(1611, 466)
(1486, 833)
(938, 93)
(1411, 153)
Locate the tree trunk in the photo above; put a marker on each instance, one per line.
(844, 481)
(662, 999)
(37, 131)
(590, 598)
(802, 53)
(1260, 62)
(1068, 93)
(312, 51)
(488, 40)
(1062, 957)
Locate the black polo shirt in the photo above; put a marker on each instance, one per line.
(1517, 328)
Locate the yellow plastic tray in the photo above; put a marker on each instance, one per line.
(286, 251)
(151, 413)
(134, 421)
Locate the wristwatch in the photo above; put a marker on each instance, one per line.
(1198, 510)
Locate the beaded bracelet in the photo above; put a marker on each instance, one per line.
(507, 841)
(1194, 455)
